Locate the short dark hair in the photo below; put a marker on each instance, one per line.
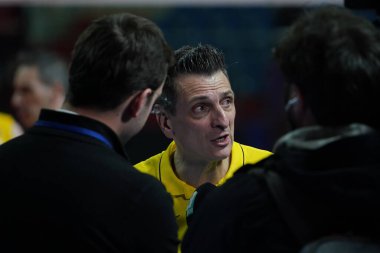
(114, 57)
(200, 59)
(51, 67)
(333, 57)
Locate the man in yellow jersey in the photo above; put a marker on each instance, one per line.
(197, 110)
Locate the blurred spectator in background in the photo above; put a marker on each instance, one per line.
(324, 176)
(9, 128)
(39, 80)
(197, 111)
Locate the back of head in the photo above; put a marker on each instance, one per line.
(333, 57)
(51, 67)
(201, 59)
(114, 57)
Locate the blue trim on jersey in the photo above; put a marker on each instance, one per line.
(74, 129)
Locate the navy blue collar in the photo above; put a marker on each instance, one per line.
(75, 129)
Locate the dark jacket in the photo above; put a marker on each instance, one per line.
(66, 186)
(336, 172)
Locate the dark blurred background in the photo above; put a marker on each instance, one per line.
(245, 30)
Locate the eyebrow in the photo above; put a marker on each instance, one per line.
(223, 94)
(228, 93)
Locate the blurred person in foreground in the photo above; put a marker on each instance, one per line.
(39, 80)
(328, 168)
(197, 111)
(66, 185)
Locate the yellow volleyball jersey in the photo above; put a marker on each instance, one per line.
(160, 167)
(7, 128)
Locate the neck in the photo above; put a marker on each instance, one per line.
(109, 118)
(196, 173)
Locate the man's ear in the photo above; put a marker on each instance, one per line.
(136, 104)
(165, 125)
(298, 111)
(301, 106)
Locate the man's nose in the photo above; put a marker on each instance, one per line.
(219, 118)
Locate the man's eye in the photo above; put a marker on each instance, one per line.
(227, 102)
(200, 108)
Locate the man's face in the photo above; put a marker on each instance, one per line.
(149, 105)
(203, 125)
(143, 115)
(29, 95)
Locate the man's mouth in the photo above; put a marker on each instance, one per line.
(222, 140)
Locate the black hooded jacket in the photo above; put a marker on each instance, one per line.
(332, 185)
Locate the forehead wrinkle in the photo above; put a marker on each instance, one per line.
(199, 85)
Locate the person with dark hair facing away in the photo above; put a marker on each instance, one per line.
(197, 110)
(324, 176)
(39, 80)
(66, 185)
